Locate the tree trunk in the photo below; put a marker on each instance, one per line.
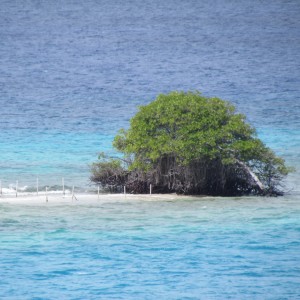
(252, 175)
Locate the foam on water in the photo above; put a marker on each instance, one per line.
(29, 191)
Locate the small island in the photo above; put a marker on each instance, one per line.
(186, 143)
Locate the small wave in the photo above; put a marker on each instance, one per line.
(13, 189)
(8, 191)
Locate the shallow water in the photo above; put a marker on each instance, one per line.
(193, 248)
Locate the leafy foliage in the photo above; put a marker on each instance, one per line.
(188, 143)
(108, 172)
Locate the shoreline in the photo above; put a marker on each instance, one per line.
(84, 198)
(57, 198)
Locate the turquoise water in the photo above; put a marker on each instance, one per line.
(72, 74)
(196, 248)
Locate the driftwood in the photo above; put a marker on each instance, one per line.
(252, 175)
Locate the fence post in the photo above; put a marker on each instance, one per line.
(124, 190)
(150, 189)
(37, 186)
(73, 195)
(63, 186)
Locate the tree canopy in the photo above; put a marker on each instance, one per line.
(186, 143)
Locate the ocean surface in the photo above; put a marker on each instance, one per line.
(195, 248)
(72, 74)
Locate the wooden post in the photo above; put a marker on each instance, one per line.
(124, 190)
(150, 189)
(17, 188)
(63, 186)
(73, 195)
(98, 191)
(46, 194)
(37, 186)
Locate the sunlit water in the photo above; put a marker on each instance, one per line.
(72, 74)
(195, 248)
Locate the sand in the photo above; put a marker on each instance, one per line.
(59, 198)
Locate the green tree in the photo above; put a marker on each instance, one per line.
(186, 143)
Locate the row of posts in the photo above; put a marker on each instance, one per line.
(63, 189)
(37, 189)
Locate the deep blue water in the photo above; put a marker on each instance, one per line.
(72, 74)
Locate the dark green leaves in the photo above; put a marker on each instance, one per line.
(206, 145)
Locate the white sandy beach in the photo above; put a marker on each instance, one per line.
(82, 198)
(57, 198)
